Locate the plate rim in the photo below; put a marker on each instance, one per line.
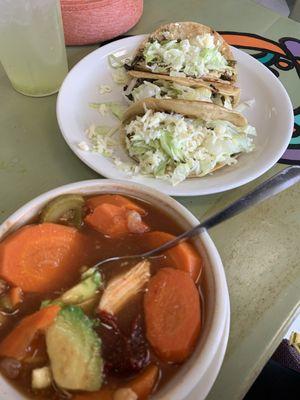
(169, 189)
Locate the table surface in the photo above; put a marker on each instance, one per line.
(260, 248)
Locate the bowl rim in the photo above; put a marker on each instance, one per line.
(221, 302)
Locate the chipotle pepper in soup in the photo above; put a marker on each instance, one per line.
(68, 330)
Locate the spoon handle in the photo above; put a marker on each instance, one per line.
(276, 184)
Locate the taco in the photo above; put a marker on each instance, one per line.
(146, 84)
(186, 49)
(179, 139)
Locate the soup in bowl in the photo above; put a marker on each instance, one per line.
(123, 331)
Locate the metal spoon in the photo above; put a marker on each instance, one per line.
(276, 184)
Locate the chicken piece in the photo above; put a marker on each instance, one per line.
(122, 288)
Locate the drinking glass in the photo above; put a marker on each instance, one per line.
(32, 48)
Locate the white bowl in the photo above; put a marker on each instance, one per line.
(210, 348)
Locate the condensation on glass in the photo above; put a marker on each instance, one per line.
(32, 48)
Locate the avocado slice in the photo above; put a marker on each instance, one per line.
(74, 351)
(84, 290)
(67, 206)
(80, 293)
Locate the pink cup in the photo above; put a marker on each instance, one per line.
(93, 21)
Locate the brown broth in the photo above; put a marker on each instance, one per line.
(99, 248)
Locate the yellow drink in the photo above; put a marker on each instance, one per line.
(32, 48)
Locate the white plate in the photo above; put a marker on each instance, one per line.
(272, 115)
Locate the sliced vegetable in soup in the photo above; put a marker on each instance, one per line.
(117, 332)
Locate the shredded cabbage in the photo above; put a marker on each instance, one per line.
(118, 62)
(103, 89)
(245, 104)
(117, 109)
(101, 139)
(104, 140)
(189, 57)
(102, 108)
(119, 74)
(172, 90)
(172, 147)
(83, 146)
(115, 62)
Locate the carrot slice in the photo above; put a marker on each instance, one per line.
(183, 256)
(172, 314)
(108, 219)
(116, 200)
(142, 385)
(40, 258)
(114, 221)
(16, 296)
(102, 394)
(16, 344)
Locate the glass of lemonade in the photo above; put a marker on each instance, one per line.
(32, 47)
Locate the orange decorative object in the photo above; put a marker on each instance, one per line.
(94, 21)
(251, 42)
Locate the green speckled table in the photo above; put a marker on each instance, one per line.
(260, 248)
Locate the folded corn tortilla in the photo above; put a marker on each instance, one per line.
(186, 49)
(179, 139)
(147, 84)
